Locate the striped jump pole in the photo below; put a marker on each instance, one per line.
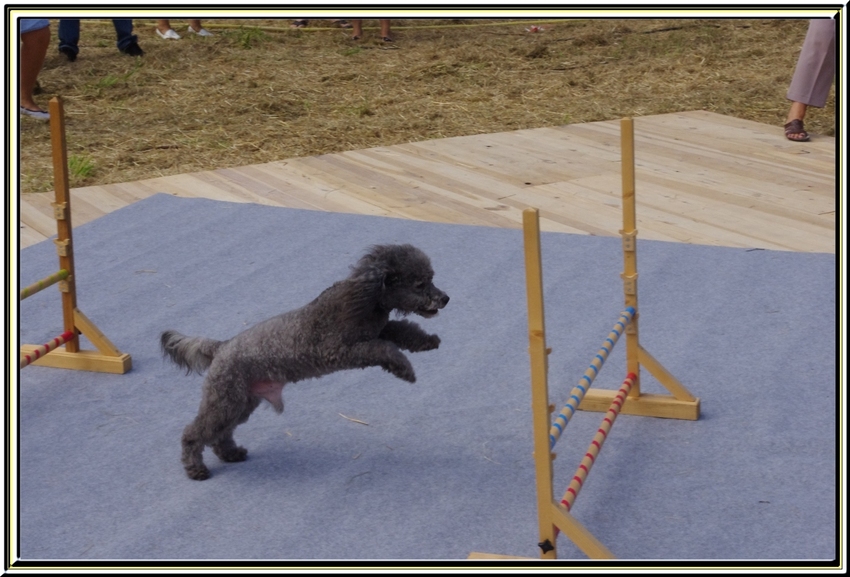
(578, 392)
(596, 443)
(44, 283)
(39, 352)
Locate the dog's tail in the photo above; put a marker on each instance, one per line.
(190, 353)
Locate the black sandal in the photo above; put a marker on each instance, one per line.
(796, 127)
(298, 24)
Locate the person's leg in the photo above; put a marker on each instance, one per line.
(164, 30)
(124, 33)
(356, 29)
(34, 46)
(796, 112)
(69, 38)
(385, 30)
(815, 68)
(813, 76)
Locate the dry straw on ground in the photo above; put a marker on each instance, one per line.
(259, 91)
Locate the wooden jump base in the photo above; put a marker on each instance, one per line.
(555, 517)
(107, 358)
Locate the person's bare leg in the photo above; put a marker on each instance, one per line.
(163, 26)
(195, 25)
(797, 112)
(356, 29)
(385, 30)
(33, 50)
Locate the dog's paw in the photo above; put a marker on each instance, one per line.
(404, 371)
(430, 343)
(198, 473)
(231, 455)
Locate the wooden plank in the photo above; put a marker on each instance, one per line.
(462, 180)
(477, 555)
(64, 237)
(665, 377)
(97, 338)
(686, 217)
(466, 207)
(647, 405)
(100, 198)
(308, 183)
(538, 354)
(37, 214)
(702, 178)
(82, 360)
(578, 534)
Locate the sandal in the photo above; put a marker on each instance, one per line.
(794, 131)
(341, 23)
(387, 39)
(298, 24)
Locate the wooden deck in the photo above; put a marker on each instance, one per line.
(702, 178)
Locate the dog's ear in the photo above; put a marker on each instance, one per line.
(364, 289)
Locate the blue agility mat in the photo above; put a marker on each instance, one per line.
(363, 466)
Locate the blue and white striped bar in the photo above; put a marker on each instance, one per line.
(577, 394)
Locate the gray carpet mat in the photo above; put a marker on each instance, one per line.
(443, 467)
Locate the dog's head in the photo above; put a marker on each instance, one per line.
(402, 279)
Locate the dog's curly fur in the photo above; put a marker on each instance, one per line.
(346, 327)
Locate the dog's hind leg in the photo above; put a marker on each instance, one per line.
(193, 449)
(218, 416)
(225, 447)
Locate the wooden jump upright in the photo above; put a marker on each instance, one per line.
(555, 516)
(107, 358)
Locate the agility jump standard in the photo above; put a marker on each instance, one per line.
(107, 358)
(555, 517)
(681, 404)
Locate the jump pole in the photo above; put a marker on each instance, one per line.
(43, 283)
(107, 358)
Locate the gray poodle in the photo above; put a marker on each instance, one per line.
(347, 326)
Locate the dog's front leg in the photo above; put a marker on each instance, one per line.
(409, 336)
(380, 353)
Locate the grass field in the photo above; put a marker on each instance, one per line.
(258, 91)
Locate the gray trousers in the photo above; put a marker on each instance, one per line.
(815, 69)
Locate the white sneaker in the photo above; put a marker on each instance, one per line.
(202, 32)
(40, 114)
(168, 35)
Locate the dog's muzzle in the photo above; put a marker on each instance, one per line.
(434, 307)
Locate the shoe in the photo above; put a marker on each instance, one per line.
(298, 24)
(133, 49)
(201, 32)
(341, 23)
(387, 39)
(794, 131)
(69, 52)
(168, 34)
(40, 114)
